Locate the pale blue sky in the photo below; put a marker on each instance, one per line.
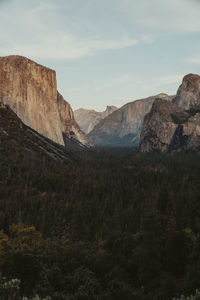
(106, 52)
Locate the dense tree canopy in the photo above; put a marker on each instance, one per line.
(114, 225)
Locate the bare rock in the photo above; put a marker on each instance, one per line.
(88, 118)
(160, 125)
(169, 127)
(174, 126)
(69, 126)
(123, 126)
(188, 94)
(30, 90)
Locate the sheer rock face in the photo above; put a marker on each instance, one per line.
(69, 127)
(160, 125)
(88, 118)
(123, 126)
(169, 127)
(188, 94)
(30, 90)
(174, 126)
(191, 131)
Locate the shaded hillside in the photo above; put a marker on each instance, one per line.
(119, 225)
(17, 141)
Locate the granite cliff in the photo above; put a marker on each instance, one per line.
(188, 94)
(123, 126)
(174, 126)
(19, 141)
(70, 128)
(88, 118)
(30, 90)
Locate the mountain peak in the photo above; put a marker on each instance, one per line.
(30, 90)
(174, 125)
(123, 126)
(21, 62)
(89, 118)
(188, 94)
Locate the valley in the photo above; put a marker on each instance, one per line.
(111, 224)
(116, 217)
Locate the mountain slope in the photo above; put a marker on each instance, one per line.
(31, 92)
(18, 141)
(123, 127)
(174, 126)
(88, 118)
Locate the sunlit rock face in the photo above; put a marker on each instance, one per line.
(123, 126)
(70, 128)
(174, 126)
(30, 90)
(88, 118)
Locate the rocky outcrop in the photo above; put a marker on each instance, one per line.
(30, 90)
(191, 131)
(162, 126)
(188, 94)
(69, 126)
(174, 126)
(88, 118)
(123, 126)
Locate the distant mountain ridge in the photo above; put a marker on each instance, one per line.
(88, 118)
(123, 126)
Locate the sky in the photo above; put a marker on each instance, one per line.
(106, 52)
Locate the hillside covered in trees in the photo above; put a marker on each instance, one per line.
(104, 224)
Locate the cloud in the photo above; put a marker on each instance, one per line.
(65, 46)
(39, 29)
(36, 31)
(193, 60)
(159, 84)
(121, 89)
(169, 16)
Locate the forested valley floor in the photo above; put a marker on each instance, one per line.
(110, 224)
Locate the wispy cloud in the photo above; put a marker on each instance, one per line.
(159, 84)
(166, 16)
(66, 46)
(127, 87)
(40, 35)
(62, 33)
(193, 59)
(38, 30)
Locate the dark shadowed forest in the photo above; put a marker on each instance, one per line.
(109, 224)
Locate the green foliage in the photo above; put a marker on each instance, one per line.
(120, 225)
(196, 296)
(36, 298)
(9, 289)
